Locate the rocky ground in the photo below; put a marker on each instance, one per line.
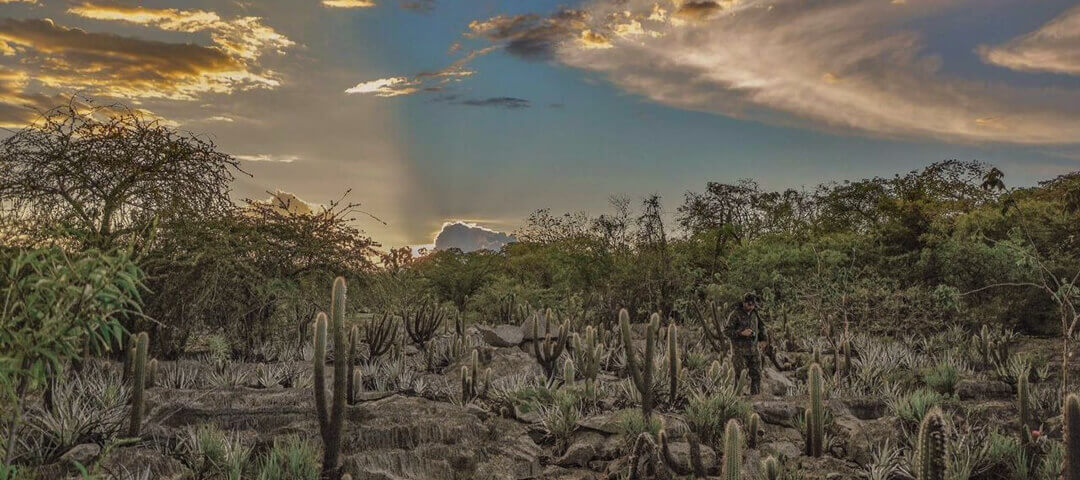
(399, 434)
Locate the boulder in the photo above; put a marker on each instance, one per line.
(501, 335)
(773, 382)
(969, 389)
(779, 412)
(866, 408)
(681, 452)
(82, 453)
(586, 446)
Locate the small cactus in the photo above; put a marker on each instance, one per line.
(588, 353)
(753, 429)
(770, 468)
(674, 363)
(815, 413)
(695, 468)
(332, 419)
(142, 341)
(569, 374)
(732, 451)
(930, 449)
(473, 383)
(1072, 437)
(548, 348)
(151, 373)
(641, 370)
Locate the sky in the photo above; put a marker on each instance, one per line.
(433, 112)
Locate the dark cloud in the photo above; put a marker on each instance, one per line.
(509, 103)
(698, 10)
(469, 238)
(531, 36)
(419, 6)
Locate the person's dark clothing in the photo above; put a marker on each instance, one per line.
(744, 350)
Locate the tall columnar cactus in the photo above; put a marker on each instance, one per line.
(548, 347)
(930, 449)
(332, 419)
(422, 323)
(142, 341)
(1022, 404)
(379, 333)
(815, 413)
(753, 429)
(714, 323)
(588, 353)
(696, 467)
(770, 468)
(350, 359)
(674, 363)
(641, 369)
(732, 451)
(1072, 437)
(460, 346)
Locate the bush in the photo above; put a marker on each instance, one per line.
(708, 414)
(942, 378)
(913, 406)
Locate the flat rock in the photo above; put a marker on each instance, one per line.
(983, 390)
(585, 447)
(779, 412)
(501, 335)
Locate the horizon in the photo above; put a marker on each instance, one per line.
(435, 112)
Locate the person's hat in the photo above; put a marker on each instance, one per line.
(750, 297)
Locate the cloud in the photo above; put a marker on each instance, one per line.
(17, 1)
(107, 64)
(18, 107)
(419, 6)
(509, 103)
(1054, 47)
(698, 10)
(848, 66)
(386, 87)
(348, 3)
(531, 36)
(469, 237)
(429, 81)
(265, 157)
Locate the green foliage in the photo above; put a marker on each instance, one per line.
(913, 407)
(291, 458)
(942, 378)
(559, 418)
(632, 423)
(706, 414)
(212, 453)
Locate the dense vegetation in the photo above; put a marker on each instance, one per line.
(114, 224)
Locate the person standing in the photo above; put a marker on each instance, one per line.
(747, 334)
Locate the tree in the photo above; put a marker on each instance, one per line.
(98, 174)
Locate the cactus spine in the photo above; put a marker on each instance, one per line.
(331, 421)
(815, 414)
(732, 451)
(142, 341)
(695, 468)
(641, 370)
(674, 362)
(1072, 437)
(753, 428)
(930, 450)
(770, 468)
(547, 349)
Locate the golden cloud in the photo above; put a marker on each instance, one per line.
(119, 66)
(1054, 47)
(348, 3)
